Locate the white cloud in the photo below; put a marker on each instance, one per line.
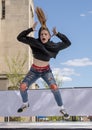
(64, 74)
(68, 72)
(82, 15)
(90, 12)
(79, 62)
(64, 78)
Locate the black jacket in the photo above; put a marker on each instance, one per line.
(43, 51)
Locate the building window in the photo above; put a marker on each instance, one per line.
(3, 9)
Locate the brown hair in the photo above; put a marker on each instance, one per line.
(42, 19)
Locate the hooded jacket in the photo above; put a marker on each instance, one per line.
(43, 51)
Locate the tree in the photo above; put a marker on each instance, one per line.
(16, 69)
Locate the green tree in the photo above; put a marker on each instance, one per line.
(16, 69)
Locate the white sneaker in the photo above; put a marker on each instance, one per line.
(23, 107)
(65, 114)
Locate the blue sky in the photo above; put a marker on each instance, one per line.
(72, 66)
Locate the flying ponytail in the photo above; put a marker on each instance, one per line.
(41, 17)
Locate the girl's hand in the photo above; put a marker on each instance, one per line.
(34, 26)
(54, 31)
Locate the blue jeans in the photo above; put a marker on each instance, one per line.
(47, 76)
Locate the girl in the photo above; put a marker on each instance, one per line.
(43, 50)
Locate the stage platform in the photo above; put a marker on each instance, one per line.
(74, 100)
(65, 125)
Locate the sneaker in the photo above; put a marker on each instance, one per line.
(23, 107)
(65, 114)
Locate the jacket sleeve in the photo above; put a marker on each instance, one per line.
(65, 42)
(23, 37)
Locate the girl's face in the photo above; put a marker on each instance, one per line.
(44, 36)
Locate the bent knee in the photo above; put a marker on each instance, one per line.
(23, 86)
(54, 87)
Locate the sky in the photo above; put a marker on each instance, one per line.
(73, 65)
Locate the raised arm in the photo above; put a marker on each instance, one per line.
(65, 42)
(23, 36)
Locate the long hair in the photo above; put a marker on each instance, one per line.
(42, 19)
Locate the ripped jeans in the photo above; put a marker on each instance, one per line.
(47, 76)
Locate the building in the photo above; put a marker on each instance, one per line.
(15, 16)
